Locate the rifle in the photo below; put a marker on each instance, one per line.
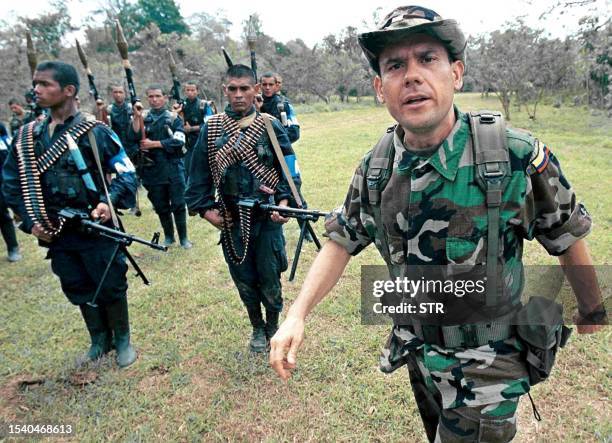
(141, 157)
(122, 239)
(101, 112)
(32, 62)
(304, 215)
(176, 84)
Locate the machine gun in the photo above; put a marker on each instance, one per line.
(101, 112)
(81, 220)
(305, 215)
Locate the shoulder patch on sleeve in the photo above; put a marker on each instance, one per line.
(540, 158)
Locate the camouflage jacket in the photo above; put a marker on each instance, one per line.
(433, 212)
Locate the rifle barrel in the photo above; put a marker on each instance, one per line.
(121, 235)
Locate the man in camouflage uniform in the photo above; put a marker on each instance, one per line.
(241, 129)
(466, 385)
(279, 106)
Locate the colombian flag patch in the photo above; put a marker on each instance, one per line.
(541, 157)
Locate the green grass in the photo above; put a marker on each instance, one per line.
(194, 379)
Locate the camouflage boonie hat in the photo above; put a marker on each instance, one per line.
(406, 20)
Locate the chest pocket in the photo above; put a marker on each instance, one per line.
(395, 200)
(466, 243)
(65, 185)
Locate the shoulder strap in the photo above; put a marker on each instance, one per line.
(378, 174)
(493, 170)
(96, 154)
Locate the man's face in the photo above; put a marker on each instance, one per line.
(16, 108)
(191, 91)
(157, 99)
(417, 83)
(268, 86)
(49, 93)
(118, 95)
(278, 86)
(241, 93)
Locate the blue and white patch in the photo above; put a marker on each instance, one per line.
(180, 136)
(121, 163)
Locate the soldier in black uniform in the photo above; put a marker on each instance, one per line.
(19, 117)
(120, 113)
(6, 221)
(241, 129)
(279, 106)
(163, 174)
(196, 112)
(43, 175)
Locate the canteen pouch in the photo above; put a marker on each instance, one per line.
(539, 325)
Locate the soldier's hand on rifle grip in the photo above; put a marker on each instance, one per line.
(101, 212)
(284, 346)
(100, 104)
(39, 233)
(276, 217)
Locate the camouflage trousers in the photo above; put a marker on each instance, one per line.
(494, 422)
(463, 394)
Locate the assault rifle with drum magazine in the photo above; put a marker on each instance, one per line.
(82, 221)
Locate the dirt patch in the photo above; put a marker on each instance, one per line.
(11, 395)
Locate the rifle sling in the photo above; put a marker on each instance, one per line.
(281, 159)
(96, 154)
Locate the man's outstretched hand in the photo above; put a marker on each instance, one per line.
(284, 346)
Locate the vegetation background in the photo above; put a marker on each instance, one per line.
(194, 379)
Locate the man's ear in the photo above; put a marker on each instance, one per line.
(378, 87)
(458, 69)
(70, 90)
(224, 89)
(257, 88)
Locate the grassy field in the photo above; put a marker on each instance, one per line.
(194, 379)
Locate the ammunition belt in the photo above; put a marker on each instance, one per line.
(239, 148)
(31, 168)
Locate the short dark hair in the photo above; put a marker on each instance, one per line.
(191, 82)
(117, 85)
(268, 75)
(63, 73)
(15, 101)
(155, 86)
(240, 71)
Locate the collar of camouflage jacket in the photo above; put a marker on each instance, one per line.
(446, 158)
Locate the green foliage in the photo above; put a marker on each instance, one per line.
(165, 14)
(48, 29)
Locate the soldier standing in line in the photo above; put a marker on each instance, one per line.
(279, 106)
(162, 141)
(45, 172)
(417, 196)
(7, 228)
(234, 159)
(196, 113)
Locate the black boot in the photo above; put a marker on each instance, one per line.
(10, 238)
(258, 339)
(168, 227)
(180, 218)
(117, 314)
(271, 323)
(100, 335)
